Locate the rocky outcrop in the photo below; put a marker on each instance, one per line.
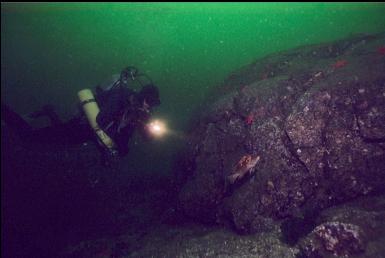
(354, 229)
(186, 241)
(316, 117)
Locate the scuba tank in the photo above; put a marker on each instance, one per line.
(91, 110)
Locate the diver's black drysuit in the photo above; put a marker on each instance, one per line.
(122, 110)
(74, 131)
(120, 114)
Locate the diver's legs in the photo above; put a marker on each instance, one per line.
(47, 110)
(14, 120)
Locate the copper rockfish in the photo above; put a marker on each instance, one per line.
(244, 166)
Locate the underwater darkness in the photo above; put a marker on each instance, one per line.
(50, 51)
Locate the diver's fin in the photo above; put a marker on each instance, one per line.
(14, 120)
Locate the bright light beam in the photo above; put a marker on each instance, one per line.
(157, 128)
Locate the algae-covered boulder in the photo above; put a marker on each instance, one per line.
(315, 116)
(356, 228)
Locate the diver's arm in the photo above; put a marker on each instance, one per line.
(114, 102)
(110, 108)
(144, 131)
(122, 139)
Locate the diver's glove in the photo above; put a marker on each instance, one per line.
(110, 157)
(113, 152)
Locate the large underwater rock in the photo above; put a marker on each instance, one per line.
(182, 242)
(356, 229)
(315, 116)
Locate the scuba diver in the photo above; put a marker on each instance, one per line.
(122, 110)
(113, 114)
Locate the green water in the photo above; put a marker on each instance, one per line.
(49, 51)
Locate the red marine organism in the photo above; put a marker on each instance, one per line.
(244, 166)
(381, 50)
(249, 119)
(264, 75)
(339, 64)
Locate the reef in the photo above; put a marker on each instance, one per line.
(316, 117)
(286, 159)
